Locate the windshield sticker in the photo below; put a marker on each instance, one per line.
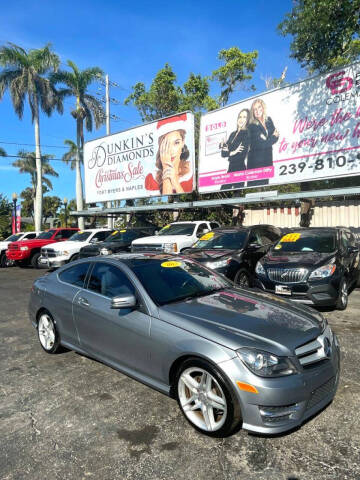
(114, 233)
(166, 227)
(291, 237)
(207, 236)
(80, 231)
(171, 264)
(122, 231)
(278, 247)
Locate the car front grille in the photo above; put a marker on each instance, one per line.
(287, 275)
(146, 247)
(13, 247)
(315, 351)
(48, 252)
(321, 392)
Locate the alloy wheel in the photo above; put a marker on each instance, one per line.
(242, 280)
(46, 332)
(202, 399)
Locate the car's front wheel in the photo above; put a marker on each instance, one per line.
(343, 297)
(206, 399)
(35, 260)
(242, 278)
(48, 335)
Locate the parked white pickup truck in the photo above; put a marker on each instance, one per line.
(15, 237)
(57, 254)
(174, 237)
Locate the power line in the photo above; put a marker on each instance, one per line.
(33, 145)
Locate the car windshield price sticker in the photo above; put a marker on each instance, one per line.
(207, 236)
(122, 231)
(171, 264)
(291, 237)
(114, 233)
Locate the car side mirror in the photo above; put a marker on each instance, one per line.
(254, 246)
(123, 301)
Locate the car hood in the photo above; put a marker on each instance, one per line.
(35, 242)
(156, 239)
(242, 318)
(296, 259)
(67, 245)
(207, 255)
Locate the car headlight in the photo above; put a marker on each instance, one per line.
(219, 263)
(259, 269)
(265, 364)
(170, 247)
(323, 272)
(23, 249)
(64, 252)
(105, 251)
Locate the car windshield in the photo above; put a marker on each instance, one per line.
(178, 229)
(46, 235)
(171, 280)
(80, 236)
(122, 236)
(307, 242)
(231, 240)
(13, 237)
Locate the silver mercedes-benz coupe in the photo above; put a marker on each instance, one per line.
(231, 357)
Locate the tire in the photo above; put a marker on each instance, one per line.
(343, 297)
(47, 334)
(242, 278)
(74, 257)
(4, 261)
(34, 261)
(209, 387)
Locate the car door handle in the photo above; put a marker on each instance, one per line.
(83, 301)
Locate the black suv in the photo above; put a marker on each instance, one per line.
(317, 266)
(234, 251)
(118, 241)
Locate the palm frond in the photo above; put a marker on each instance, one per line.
(96, 108)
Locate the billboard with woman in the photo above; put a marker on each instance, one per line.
(151, 160)
(306, 131)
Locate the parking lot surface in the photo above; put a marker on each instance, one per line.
(67, 416)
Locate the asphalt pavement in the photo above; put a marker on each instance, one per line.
(67, 416)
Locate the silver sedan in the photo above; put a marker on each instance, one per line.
(231, 357)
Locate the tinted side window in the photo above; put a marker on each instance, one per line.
(67, 233)
(108, 280)
(273, 234)
(29, 236)
(201, 229)
(351, 239)
(75, 275)
(255, 237)
(100, 236)
(214, 225)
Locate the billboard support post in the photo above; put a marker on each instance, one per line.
(107, 112)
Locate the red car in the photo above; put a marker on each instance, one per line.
(28, 251)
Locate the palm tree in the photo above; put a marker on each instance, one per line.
(87, 108)
(2, 152)
(27, 163)
(23, 75)
(71, 154)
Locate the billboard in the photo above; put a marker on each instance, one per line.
(150, 160)
(306, 131)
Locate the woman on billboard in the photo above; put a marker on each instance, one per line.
(263, 135)
(174, 170)
(236, 147)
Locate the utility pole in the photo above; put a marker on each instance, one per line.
(107, 110)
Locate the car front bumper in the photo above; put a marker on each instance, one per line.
(53, 261)
(284, 403)
(322, 293)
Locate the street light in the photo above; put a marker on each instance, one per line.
(14, 199)
(65, 201)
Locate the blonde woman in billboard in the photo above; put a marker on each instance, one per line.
(263, 135)
(174, 170)
(236, 147)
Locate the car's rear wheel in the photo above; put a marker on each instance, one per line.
(242, 278)
(4, 261)
(343, 297)
(48, 335)
(206, 400)
(35, 260)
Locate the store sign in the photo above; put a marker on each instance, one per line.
(306, 131)
(150, 160)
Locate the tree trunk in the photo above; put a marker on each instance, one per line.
(38, 192)
(79, 153)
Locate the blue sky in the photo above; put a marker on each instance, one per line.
(131, 41)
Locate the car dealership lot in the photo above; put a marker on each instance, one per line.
(68, 416)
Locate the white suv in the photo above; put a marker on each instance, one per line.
(174, 237)
(15, 237)
(57, 254)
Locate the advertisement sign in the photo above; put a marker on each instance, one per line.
(306, 131)
(16, 228)
(151, 160)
